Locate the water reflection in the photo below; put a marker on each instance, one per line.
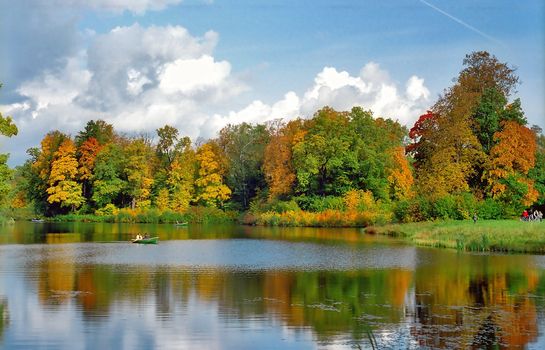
(122, 296)
(73, 232)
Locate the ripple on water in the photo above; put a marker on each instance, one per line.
(232, 254)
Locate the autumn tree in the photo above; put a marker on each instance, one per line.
(88, 152)
(210, 188)
(278, 166)
(62, 185)
(450, 143)
(41, 167)
(400, 176)
(138, 170)
(512, 158)
(181, 176)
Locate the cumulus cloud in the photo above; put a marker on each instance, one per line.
(137, 78)
(372, 89)
(39, 35)
(141, 78)
(190, 75)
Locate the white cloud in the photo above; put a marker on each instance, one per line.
(416, 90)
(55, 89)
(372, 89)
(140, 79)
(136, 81)
(187, 76)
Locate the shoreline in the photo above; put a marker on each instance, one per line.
(508, 236)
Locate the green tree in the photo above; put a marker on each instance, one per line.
(537, 174)
(243, 146)
(109, 180)
(7, 128)
(99, 129)
(166, 147)
(322, 159)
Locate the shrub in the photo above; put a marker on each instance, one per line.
(108, 210)
(490, 209)
(444, 208)
(318, 203)
(402, 211)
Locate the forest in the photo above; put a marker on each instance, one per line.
(471, 152)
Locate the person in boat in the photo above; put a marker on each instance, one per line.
(146, 236)
(138, 237)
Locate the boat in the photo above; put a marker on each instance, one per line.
(37, 220)
(181, 223)
(151, 240)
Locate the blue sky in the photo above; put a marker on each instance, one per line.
(199, 65)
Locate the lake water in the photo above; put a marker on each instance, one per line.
(83, 286)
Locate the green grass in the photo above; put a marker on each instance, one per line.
(155, 216)
(485, 235)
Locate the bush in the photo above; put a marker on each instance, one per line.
(276, 205)
(209, 215)
(318, 203)
(170, 217)
(108, 210)
(444, 208)
(402, 211)
(490, 209)
(466, 205)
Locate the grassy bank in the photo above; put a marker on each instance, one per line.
(154, 216)
(485, 235)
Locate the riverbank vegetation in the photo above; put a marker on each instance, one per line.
(471, 153)
(482, 236)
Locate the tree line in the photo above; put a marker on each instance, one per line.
(473, 150)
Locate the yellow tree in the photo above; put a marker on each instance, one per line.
(139, 172)
(181, 176)
(211, 167)
(63, 187)
(400, 178)
(40, 169)
(162, 201)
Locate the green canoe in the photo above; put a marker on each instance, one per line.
(152, 240)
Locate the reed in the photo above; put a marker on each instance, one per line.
(485, 235)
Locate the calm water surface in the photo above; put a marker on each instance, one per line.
(83, 286)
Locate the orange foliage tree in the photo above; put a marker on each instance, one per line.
(277, 163)
(512, 158)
